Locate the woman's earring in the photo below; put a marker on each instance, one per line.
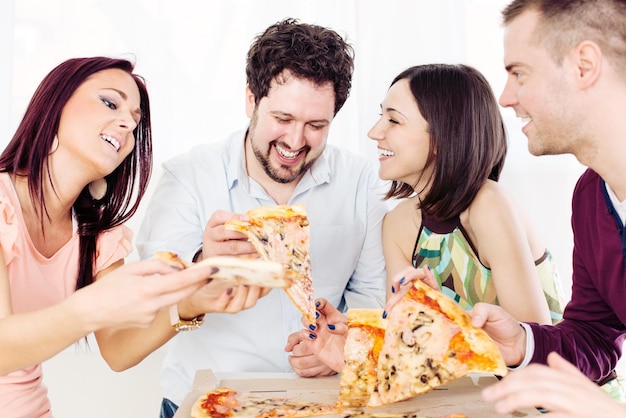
(54, 146)
(98, 188)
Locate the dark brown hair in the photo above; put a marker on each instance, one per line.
(468, 141)
(566, 23)
(27, 154)
(308, 51)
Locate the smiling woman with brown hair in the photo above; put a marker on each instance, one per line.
(442, 142)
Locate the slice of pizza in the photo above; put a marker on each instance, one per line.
(430, 341)
(225, 402)
(366, 332)
(281, 234)
(236, 270)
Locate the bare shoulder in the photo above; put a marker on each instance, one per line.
(491, 212)
(495, 209)
(492, 200)
(402, 224)
(404, 212)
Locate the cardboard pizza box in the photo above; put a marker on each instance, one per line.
(461, 396)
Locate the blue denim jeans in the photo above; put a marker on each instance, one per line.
(168, 408)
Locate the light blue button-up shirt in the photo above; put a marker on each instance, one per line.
(343, 197)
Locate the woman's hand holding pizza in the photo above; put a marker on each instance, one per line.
(131, 295)
(216, 240)
(317, 350)
(559, 387)
(403, 280)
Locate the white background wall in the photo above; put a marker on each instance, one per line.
(192, 54)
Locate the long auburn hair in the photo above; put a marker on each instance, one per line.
(28, 151)
(468, 142)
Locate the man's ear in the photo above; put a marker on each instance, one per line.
(588, 60)
(250, 105)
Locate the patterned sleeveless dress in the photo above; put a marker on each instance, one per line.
(453, 259)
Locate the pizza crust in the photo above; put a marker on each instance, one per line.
(236, 270)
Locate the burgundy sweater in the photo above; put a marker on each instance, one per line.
(592, 330)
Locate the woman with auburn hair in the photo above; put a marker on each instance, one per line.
(74, 172)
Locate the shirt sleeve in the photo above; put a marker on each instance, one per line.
(530, 347)
(366, 287)
(592, 331)
(113, 245)
(172, 221)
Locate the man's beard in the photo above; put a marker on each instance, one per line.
(274, 174)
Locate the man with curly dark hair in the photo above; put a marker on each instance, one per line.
(298, 78)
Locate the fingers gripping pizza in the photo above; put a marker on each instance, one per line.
(281, 234)
(430, 341)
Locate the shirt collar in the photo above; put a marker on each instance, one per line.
(620, 207)
(237, 165)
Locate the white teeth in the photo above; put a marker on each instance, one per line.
(111, 141)
(526, 119)
(385, 153)
(285, 153)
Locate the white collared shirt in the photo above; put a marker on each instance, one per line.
(620, 207)
(343, 197)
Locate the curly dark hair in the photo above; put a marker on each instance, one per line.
(468, 141)
(310, 52)
(27, 155)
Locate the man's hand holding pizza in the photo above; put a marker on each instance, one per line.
(216, 240)
(505, 330)
(220, 297)
(317, 350)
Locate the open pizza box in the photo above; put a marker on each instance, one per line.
(461, 396)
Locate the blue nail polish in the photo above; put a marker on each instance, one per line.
(384, 314)
(312, 336)
(317, 314)
(428, 267)
(402, 280)
(317, 304)
(312, 327)
(331, 326)
(393, 290)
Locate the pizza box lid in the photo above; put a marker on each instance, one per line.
(461, 396)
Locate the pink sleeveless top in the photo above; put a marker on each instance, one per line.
(37, 282)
